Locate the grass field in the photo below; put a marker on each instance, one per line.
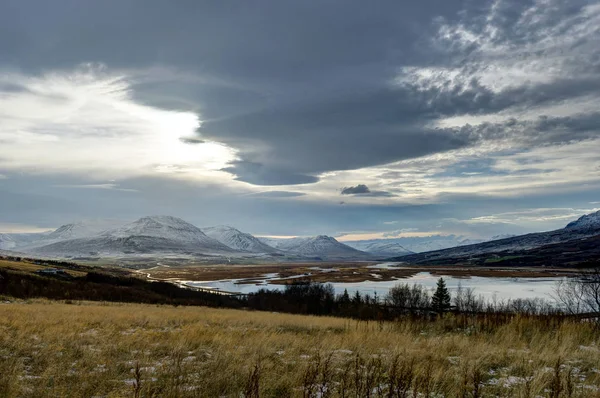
(132, 350)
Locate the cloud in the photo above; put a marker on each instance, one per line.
(408, 84)
(360, 188)
(364, 191)
(536, 215)
(85, 121)
(448, 110)
(258, 174)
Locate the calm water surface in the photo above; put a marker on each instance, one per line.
(499, 288)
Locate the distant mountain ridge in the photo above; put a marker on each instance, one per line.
(408, 245)
(380, 247)
(582, 228)
(316, 246)
(167, 235)
(238, 240)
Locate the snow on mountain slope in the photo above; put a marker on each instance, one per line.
(588, 221)
(408, 245)
(503, 236)
(380, 247)
(17, 240)
(82, 229)
(284, 244)
(236, 239)
(155, 234)
(321, 246)
(585, 227)
(76, 230)
(7, 242)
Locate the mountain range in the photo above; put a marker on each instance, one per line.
(165, 236)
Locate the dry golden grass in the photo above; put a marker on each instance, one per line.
(20, 266)
(129, 350)
(25, 266)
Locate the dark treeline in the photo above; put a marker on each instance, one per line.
(402, 300)
(98, 286)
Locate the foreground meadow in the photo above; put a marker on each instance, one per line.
(134, 350)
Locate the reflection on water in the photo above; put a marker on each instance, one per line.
(499, 288)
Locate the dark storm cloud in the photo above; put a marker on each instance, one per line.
(342, 133)
(360, 188)
(300, 88)
(363, 190)
(259, 174)
(295, 87)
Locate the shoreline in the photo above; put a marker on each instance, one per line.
(334, 272)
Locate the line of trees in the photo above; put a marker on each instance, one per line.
(403, 299)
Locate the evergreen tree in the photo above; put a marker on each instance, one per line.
(441, 298)
(345, 298)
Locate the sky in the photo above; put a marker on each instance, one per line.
(286, 118)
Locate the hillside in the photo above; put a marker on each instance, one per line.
(587, 226)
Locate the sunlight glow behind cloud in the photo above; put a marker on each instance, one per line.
(84, 121)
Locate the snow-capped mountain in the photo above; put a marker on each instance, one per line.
(380, 247)
(76, 230)
(237, 239)
(166, 235)
(158, 235)
(82, 229)
(155, 234)
(586, 222)
(321, 246)
(408, 245)
(283, 244)
(585, 227)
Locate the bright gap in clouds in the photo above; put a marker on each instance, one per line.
(85, 121)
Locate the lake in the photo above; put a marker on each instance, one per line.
(489, 287)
